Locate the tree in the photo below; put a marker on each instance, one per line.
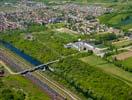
(7, 94)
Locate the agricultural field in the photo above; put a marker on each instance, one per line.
(126, 64)
(124, 55)
(108, 68)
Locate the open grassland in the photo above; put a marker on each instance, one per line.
(20, 83)
(108, 68)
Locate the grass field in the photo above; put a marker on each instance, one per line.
(32, 91)
(108, 68)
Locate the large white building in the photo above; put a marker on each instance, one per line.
(87, 46)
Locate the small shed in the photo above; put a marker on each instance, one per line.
(29, 37)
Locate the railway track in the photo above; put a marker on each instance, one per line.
(18, 67)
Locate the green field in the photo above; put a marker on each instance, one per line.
(126, 64)
(16, 83)
(121, 20)
(109, 68)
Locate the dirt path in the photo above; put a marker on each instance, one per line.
(7, 68)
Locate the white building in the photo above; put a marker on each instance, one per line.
(86, 46)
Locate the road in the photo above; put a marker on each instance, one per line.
(7, 68)
(48, 85)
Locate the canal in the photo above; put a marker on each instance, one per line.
(20, 53)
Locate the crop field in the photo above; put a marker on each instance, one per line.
(108, 68)
(124, 55)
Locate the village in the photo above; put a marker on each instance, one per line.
(27, 12)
